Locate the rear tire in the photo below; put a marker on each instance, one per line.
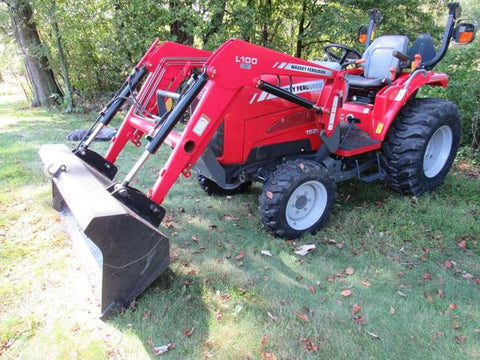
(212, 188)
(297, 198)
(421, 145)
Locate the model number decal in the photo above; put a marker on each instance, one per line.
(246, 60)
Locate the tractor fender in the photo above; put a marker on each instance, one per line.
(393, 99)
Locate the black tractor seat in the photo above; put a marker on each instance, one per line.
(359, 81)
(379, 60)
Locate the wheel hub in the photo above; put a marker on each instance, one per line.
(437, 151)
(306, 205)
(301, 202)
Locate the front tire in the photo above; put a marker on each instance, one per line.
(297, 198)
(421, 145)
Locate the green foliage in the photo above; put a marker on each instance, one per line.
(462, 64)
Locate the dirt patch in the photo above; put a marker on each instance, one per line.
(469, 169)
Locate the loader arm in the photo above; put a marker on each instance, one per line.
(168, 64)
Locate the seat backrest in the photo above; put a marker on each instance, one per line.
(379, 56)
(423, 46)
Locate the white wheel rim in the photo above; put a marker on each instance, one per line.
(437, 152)
(306, 205)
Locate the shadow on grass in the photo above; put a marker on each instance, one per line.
(169, 312)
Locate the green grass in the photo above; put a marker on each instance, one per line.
(240, 309)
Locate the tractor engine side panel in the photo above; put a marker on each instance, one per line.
(263, 120)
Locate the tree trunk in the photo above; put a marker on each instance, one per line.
(61, 57)
(301, 29)
(216, 22)
(177, 28)
(266, 21)
(45, 89)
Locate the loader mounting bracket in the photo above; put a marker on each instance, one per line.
(139, 203)
(96, 161)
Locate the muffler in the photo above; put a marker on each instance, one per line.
(134, 252)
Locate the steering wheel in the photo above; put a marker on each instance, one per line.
(347, 53)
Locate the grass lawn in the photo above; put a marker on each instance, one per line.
(391, 277)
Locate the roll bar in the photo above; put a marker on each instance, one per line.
(455, 11)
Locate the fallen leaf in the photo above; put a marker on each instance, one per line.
(274, 318)
(230, 218)
(301, 316)
(468, 276)
(339, 245)
(304, 249)
(268, 356)
(219, 315)
(428, 296)
(269, 195)
(440, 293)
(189, 332)
(192, 272)
(427, 276)
(312, 289)
(188, 282)
(366, 283)
(265, 339)
(346, 292)
(339, 302)
(455, 324)
(208, 343)
(452, 306)
(299, 277)
(375, 336)
(240, 255)
(460, 338)
(401, 293)
(159, 350)
(448, 264)
(310, 346)
(266, 252)
(356, 308)
(146, 315)
(462, 245)
(392, 310)
(349, 271)
(360, 320)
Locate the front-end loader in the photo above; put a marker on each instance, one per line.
(253, 114)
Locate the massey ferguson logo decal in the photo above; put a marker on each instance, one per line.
(297, 88)
(302, 68)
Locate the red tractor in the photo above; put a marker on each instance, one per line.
(257, 115)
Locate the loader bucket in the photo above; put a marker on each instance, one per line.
(134, 252)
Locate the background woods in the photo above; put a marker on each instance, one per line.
(84, 49)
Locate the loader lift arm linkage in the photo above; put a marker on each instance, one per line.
(253, 114)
